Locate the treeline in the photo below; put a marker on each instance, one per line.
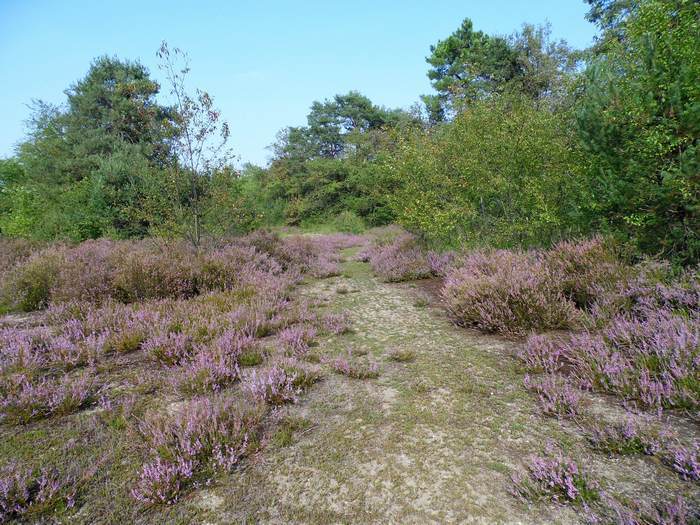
(525, 141)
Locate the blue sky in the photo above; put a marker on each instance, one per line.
(263, 61)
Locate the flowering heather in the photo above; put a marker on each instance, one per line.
(542, 354)
(684, 460)
(134, 271)
(440, 263)
(302, 374)
(652, 287)
(653, 361)
(627, 437)
(297, 338)
(208, 371)
(161, 481)
(342, 365)
(554, 476)
(506, 292)
(14, 251)
(336, 323)
(24, 349)
(556, 395)
(673, 512)
(25, 492)
(172, 348)
(24, 400)
(27, 286)
(401, 259)
(585, 269)
(272, 385)
(203, 434)
(213, 367)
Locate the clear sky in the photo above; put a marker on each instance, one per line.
(264, 62)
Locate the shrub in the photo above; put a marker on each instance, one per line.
(14, 251)
(675, 511)
(506, 292)
(172, 348)
(627, 438)
(208, 371)
(347, 368)
(161, 481)
(440, 263)
(303, 375)
(585, 269)
(400, 259)
(132, 271)
(297, 339)
(554, 476)
(651, 360)
(349, 222)
(336, 323)
(24, 400)
(28, 285)
(556, 395)
(214, 434)
(272, 385)
(684, 460)
(25, 492)
(542, 354)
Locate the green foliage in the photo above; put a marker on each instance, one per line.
(639, 120)
(79, 175)
(349, 222)
(330, 166)
(504, 173)
(470, 65)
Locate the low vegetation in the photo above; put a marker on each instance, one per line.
(163, 313)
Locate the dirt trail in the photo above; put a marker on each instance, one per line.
(429, 441)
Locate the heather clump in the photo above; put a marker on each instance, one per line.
(303, 254)
(134, 271)
(651, 361)
(171, 348)
(27, 286)
(556, 395)
(336, 323)
(398, 258)
(674, 511)
(585, 269)
(627, 437)
(208, 371)
(205, 434)
(28, 493)
(13, 251)
(303, 375)
(542, 354)
(273, 385)
(441, 263)
(297, 339)
(506, 292)
(651, 286)
(684, 460)
(356, 370)
(214, 366)
(554, 476)
(24, 399)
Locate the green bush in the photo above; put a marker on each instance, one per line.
(639, 122)
(504, 173)
(349, 222)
